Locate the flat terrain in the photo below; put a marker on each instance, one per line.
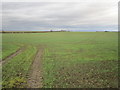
(35, 77)
(12, 55)
(60, 60)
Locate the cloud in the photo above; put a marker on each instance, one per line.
(60, 15)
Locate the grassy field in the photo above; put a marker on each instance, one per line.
(69, 59)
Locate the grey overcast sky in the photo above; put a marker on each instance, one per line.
(93, 15)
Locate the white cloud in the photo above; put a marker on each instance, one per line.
(60, 15)
(59, 0)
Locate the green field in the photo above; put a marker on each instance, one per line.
(69, 59)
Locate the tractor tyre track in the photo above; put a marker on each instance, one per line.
(20, 50)
(35, 75)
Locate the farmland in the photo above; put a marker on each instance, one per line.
(67, 59)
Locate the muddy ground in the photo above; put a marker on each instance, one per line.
(35, 75)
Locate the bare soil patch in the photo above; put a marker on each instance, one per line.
(35, 75)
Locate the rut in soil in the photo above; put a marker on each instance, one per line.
(35, 76)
